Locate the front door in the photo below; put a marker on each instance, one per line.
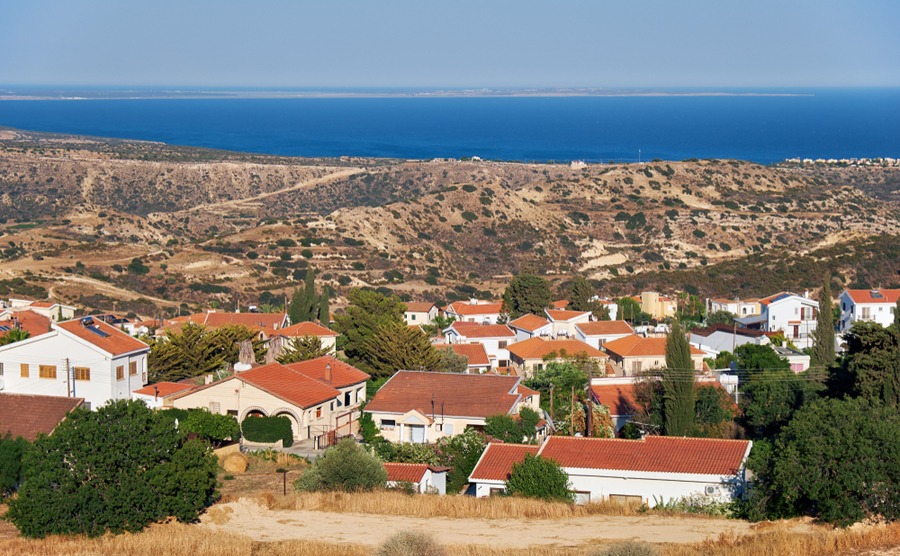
(417, 434)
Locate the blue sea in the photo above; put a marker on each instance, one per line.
(813, 124)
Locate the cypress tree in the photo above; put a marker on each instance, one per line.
(678, 384)
(822, 356)
(324, 310)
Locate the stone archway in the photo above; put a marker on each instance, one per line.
(293, 418)
(254, 411)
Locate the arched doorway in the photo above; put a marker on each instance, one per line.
(292, 417)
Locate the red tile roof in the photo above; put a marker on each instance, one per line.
(638, 346)
(475, 330)
(660, 454)
(865, 296)
(526, 391)
(27, 415)
(458, 395)
(268, 322)
(418, 306)
(288, 385)
(475, 353)
(405, 472)
(497, 460)
(43, 304)
(558, 316)
(33, 323)
(529, 322)
(561, 304)
(604, 327)
(480, 308)
(619, 398)
(305, 328)
(342, 374)
(537, 348)
(163, 389)
(111, 339)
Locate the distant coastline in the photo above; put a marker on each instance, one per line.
(64, 93)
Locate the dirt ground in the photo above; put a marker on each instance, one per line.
(248, 518)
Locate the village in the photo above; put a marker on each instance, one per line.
(55, 360)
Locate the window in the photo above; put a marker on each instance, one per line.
(501, 344)
(120, 372)
(86, 405)
(82, 373)
(412, 317)
(448, 429)
(215, 407)
(232, 412)
(132, 368)
(23, 370)
(47, 371)
(388, 424)
(319, 412)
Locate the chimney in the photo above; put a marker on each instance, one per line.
(208, 379)
(806, 294)
(328, 372)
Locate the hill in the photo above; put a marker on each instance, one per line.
(226, 227)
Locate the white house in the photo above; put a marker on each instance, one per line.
(531, 326)
(475, 310)
(721, 337)
(420, 313)
(84, 357)
(160, 394)
(53, 310)
(655, 470)
(599, 332)
(423, 477)
(867, 305)
(789, 313)
(326, 336)
(494, 337)
(564, 321)
(737, 307)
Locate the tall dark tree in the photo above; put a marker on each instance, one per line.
(872, 363)
(324, 309)
(580, 294)
(678, 384)
(304, 305)
(303, 349)
(822, 356)
(367, 312)
(397, 347)
(526, 293)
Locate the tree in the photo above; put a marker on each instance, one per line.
(397, 346)
(196, 350)
(630, 310)
(504, 428)
(752, 358)
(460, 453)
(822, 356)
(367, 312)
(526, 293)
(11, 452)
(346, 467)
(580, 294)
(452, 362)
(838, 460)
(116, 469)
(720, 317)
(714, 413)
(324, 308)
(303, 349)
(214, 428)
(14, 335)
(871, 368)
(678, 384)
(556, 381)
(770, 398)
(538, 477)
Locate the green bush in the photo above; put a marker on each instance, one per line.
(117, 469)
(268, 429)
(346, 467)
(410, 543)
(11, 453)
(212, 427)
(538, 477)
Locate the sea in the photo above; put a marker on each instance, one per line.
(760, 126)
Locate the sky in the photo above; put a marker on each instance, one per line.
(450, 44)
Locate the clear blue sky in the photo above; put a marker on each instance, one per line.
(451, 43)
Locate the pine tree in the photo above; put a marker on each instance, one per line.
(526, 293)
(822, 356)
(580, 294)
(678, 384)
(397, 347)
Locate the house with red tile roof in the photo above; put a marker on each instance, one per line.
(421, 406)
(159, 394)
(532, 355)
(655, 470)
(420, 312)
(874, 305)
(635, 354)
(478, 360)
(475, 310)
(345, 378)
(564, 321)
(531, 326)
(423, 477)
(310, 401)
(27, 416)
(267, 324)
(33, 323)
(597, 333)
(619, 399)
(494, 337)
(84, 358)
(792, 314)
(326, 336)
(52, 310)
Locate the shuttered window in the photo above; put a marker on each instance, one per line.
(47, 371)
(120, 372)
(23, 370)
(132, 368)
(82, 373)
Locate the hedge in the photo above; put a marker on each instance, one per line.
(268, 429)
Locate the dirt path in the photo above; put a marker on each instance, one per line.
(111, 290)
(248, 518)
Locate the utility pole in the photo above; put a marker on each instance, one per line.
(572, 412)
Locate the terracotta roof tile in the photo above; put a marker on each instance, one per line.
(163, 389)
(342, 374)
(108, 338)
(481, 308)
(26, 415)
(33, 323)
(475, 353)
(526, 391)
(305, 328)
(529, 323)
(558, 316)
(619, 398)
(268, 322)
(865, 296)
(537, 348)
(461, 395)
(288, 385)
(418, 306)
(497, 460)
(604, 327)
(475, 330)
(405, 472)
(638, 346)
(559, 305)
(662, 454)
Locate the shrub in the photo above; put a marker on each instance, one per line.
(11, 453)
(268, 429)
(628, 548)
(306, 253)
(117, 469)
(345, 467)
(538, 477)
(469, 216)
(212, 427)
(410, 543)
